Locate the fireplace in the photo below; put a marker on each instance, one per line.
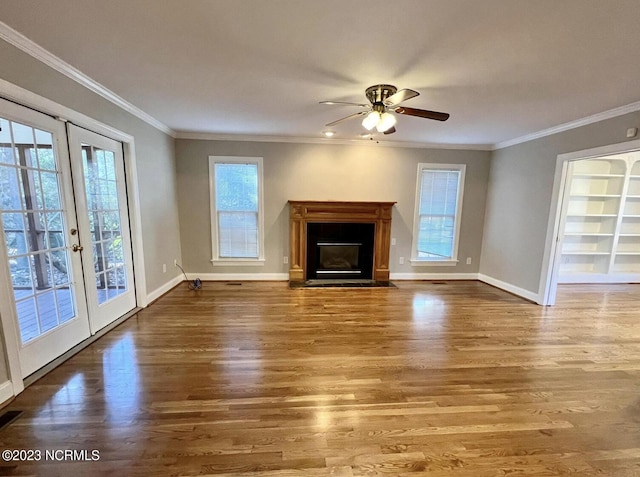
(340, 250)
(339, 240)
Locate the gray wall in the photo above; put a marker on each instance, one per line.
(154, 154)
(325, 172)
(519, 200)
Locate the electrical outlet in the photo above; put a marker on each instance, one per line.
(468, 260)
(175, 262)
(164, 268)
(401, 261)
(285, 259)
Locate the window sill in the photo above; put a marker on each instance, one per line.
(237, 262)
(433, 263)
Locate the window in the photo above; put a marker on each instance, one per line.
(236, 210)
(437, 214)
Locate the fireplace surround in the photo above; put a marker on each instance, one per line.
(338, 232)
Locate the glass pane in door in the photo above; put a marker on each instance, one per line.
(34, 229)
(104, 221)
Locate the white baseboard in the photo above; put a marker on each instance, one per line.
(158, 292)
(433, 276)
(239, 276)
(6, 391)
(285, 276)
(161, 290)
(529, 295)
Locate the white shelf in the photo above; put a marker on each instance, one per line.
(595, 195)
(601, 236)
(586, 252)
(588, 234)
(585, 175)
(593, 215)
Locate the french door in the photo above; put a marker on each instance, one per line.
(55, 297)
(103, 225)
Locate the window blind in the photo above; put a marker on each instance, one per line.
(236, 200)
(437, 213)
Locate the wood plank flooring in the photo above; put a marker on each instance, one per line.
(254, 380)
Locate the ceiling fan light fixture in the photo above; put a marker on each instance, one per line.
(328, 133)
(387, 121)
(385, 100)
(371, 120)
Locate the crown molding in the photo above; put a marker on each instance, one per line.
(23, 43)
(30, 99)
(204, 136)
(594, 118)
(28, 46)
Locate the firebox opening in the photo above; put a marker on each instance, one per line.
(340, 250)
(338, 257)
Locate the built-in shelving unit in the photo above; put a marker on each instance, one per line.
(601, 239)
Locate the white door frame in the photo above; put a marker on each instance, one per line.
(27, 98)
(551, 258)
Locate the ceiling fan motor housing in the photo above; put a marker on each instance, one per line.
(378, 93)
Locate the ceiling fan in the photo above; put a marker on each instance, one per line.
(384, 99)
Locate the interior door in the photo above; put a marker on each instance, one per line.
(38, 246)
(103, 224)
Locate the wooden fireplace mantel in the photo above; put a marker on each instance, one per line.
(303, 212)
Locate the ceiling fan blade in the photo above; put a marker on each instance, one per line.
(338, 103)
(391, 130)
(422, 113)
(351, 116)
(400, 96)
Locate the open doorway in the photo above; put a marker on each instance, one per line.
(593, 234)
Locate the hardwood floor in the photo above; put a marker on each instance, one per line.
(456, 379)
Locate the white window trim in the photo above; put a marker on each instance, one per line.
(421, 262)
(216, 260)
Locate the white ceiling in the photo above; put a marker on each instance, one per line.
(503, 69)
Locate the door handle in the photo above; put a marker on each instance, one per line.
(77, 248)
